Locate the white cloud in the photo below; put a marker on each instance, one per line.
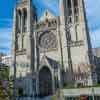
(5, 32)
(6, 20)
(5, 39)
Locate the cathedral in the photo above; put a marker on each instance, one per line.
(51, 52)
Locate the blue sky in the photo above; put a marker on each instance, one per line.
(6, 16)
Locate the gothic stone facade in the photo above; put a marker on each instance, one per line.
(52, 51)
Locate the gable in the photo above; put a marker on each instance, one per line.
(49, 62)
(46, 15)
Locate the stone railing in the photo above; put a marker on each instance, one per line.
(81, 91)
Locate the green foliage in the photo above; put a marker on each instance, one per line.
(4, 95)
(54, 97)
(57, 95)
(4, 73)
(5, 91)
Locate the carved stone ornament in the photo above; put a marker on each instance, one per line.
(47, 40)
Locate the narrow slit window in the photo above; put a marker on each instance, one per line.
(25, 21)
(19, 21)
(69, 7)
(75, 7)
(76, 10)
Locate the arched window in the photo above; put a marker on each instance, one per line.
(75, 3)
(69, 7)
(73, 10)
(24, 20)
(76, 10)
(18, 21)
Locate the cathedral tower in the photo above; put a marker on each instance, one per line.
(75, 40)
(23, 44)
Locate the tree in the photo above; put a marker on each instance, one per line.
(5, 91)
(4, 94)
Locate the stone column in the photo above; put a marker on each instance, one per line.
(29, 32)
(61, 53)
(30, 41)
(53, 82)
(22, 28)
(73, 19)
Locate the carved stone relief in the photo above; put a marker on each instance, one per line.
(47, 41)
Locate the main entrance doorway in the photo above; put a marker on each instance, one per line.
(45, 82)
